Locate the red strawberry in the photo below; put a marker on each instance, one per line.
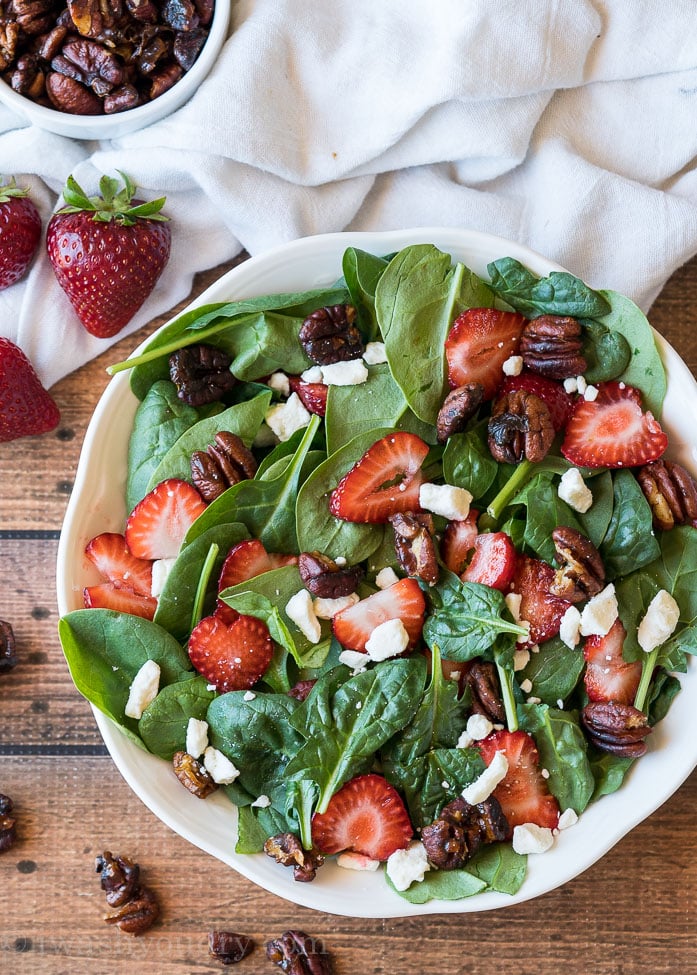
(25, 406)
(458, 542)
(523, 794)
(493, 562)
(107, 252)
(478, 344)
(233, 656)
(312, 395)
(108, 596)
(384, 481)
(244, 561)
(157, 525)
(608, 676)
(612, 430)
(111, 557)
(367, 816)
(542, 610)
(552, 393)
(403, 600)
(20, 230)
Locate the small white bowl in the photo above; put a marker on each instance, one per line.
(121, 123)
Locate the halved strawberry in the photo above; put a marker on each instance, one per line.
(109, 596)
(367, 816)
(478, 344)
(612, 430)
(157, 525)
(244, 561)
(233, 656)
(608, 676)
(384, 481)
(313, 396)
(543, 611)
(111, 557)
(523, 793)
(403, 600)
(493, 562)
(458, 542)
(552, 393)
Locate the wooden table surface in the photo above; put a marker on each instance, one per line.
(633, 913)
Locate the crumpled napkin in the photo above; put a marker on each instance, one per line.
(567, 125)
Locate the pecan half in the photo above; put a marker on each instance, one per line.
(68, 95)
(616, 728)
(137, 914)
(551, 346)
(322, 576)
(8, 832)
(119, 878)
(298, 954)
(229, 947)
(459, 406)
(193, 775)
(415, 547)
(222, 464)
(286, 849)
(9, 39)
(8, 648)
(28, 78)
(329, 335)
(461, 829)
(483, 682)
(201, 374)
(671, 492)
(520, 428)
(581, 573)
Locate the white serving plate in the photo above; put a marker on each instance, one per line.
(97, 505)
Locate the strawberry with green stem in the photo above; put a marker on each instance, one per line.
(20, 230)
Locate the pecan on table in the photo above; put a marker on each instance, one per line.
(415, 547)
(329, 335)
(229, 947)
(201, 374)
(286, 849)
(8, 649)
(520, 428)
(461, 829)
(619, 729)
(459, 406)
(483, 682)
(322, 576)
(193, 775)
(222, 464)
(671, 492)
(8, 832)
(298, 954)
(119, 878)
(551, 346)
(136, 915)
(581, 573)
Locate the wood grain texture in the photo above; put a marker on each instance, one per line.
(633, 913)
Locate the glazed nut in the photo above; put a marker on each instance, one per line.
(228, 946)
(119, 878)
(33, 16)
(193, 775)
(91, 63)
(121, 99)
(415, 547)
(298, 954)
(483, 682)
(329, 335)
(322, 577)
(286, 849)
(164, 79)
(671, 492)
(136, 915)
(581, 573)
(520, 428)
(459, 406)
(8, 648)
(461, 829)
(619, 729)
(9, 38)
(8, 832)
(551, 346)
(68, 95)
(201, 374)
(28, 78)
(224, 463)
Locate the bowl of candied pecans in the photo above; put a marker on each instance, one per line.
(98, 69)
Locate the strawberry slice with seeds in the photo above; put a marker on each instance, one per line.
(543, 611)
(243, 562)
(458, 542)
(384, 481)
(478, 344)
(313, 396)
(107, 595)
(494, 561)
(608, 676)
(403, 600)
(523, 793)
(233, 656)
(158, 524)
(110, 555)
(552, 394)
(613, 430)
(367, 816)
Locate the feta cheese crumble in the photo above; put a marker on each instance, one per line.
(261, 802)
(219, 766)
(248, 696)
(351, 373)
(478, 726)
(574, 490)
(513, 366)
(312, 375)
(300, 610)
(482, 787)
(567, 819)
(143, 690)
(354, 659)
(356, 861)
(531, 838)
(386, 577)
(388, 639)
(526, 685)
(285, 418)
(447, 500)
(326, 609)
(521, 658)
(279, 382)
(570, 627)
(405, 867)
(660, 621)
(600, 613)
(161, 568)
(375, 353)
(196, 737)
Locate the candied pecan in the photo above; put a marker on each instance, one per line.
(151, 54)
(8, 832)
(322, 576)
(137, 914)
(298, 954)
(68, 95)
(8, 648)
(581, 573)
(142, 10)
(187, 46)
(180, 14)
(163, 79)
(193, 775)
(28, 78)
(483, 682)
(201, 374)
(286, 849)
(204, 9)
(329, 335)
(52, 42)
(459, 406)
(34, 16)
(228, 946)
(415, 547)
(9, 38)
(121, 99)
(520, 428)
(222, 464)
(94, 18)
(120, 878)
(616, 728)
(461, 829)
(551, 346)
(91, 63)
(671, 492)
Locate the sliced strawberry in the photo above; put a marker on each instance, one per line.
(608, 676)
(367, 816)
(233, 656)
(552, 393)
(109, 554)
(478, 344)
(157, 525)
(313, 396)
(523, 793)
(109, 596)
(612, 430)
(458, 542)
(493, 562)
(543, 611)
(244, 561)
(384, 481)
(403, 600)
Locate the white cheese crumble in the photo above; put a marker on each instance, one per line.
(405, 867)
(581, 384)
(513, 366)
(513, 601)
(279, 382)
(356, 861)
(388, 639)
(219, 766)
(375, 353)
(526, 685)
(261, 802)
(521, 658)
(196, 737)
(300, 610)
(661, 619)
(567, 819)
(478, 726)
(590, 394)
(351, 373)
(386, 577)
(285, 418)
(248, 696)
(447, 500)
(354, 659)
(570, 385)
(574, 490)
(326, 609)
(570, 627)
(161, 568)
(143, 690)
(312, 375)
(465, 740)
(600, 613)
(531, 838)
(482, 787)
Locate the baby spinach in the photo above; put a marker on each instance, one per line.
(545, 511)
(608, 772)
(554, 671)
(467, 461)
(560, 293)
(562, 749)
(500, 866)
(362, 271)
(607, 353)
(629, 542)
(164, 722)
(444, 885)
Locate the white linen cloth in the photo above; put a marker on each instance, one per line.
(568, 125)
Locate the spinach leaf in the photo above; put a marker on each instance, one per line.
(596, 520)
(164, 721)
(255, 825)
(562, 749)
(444, 885)
(608, 772)
(500, 866)
(607, 353)
(160, 420)
(362, 271)
(554, 671)
(467, 461)
(629, 542)
(558, 294)
(545, 511)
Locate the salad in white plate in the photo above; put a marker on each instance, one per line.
(500, 555)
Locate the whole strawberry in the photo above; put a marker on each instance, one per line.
(20, 230)
(25, 406)
(107, 252)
